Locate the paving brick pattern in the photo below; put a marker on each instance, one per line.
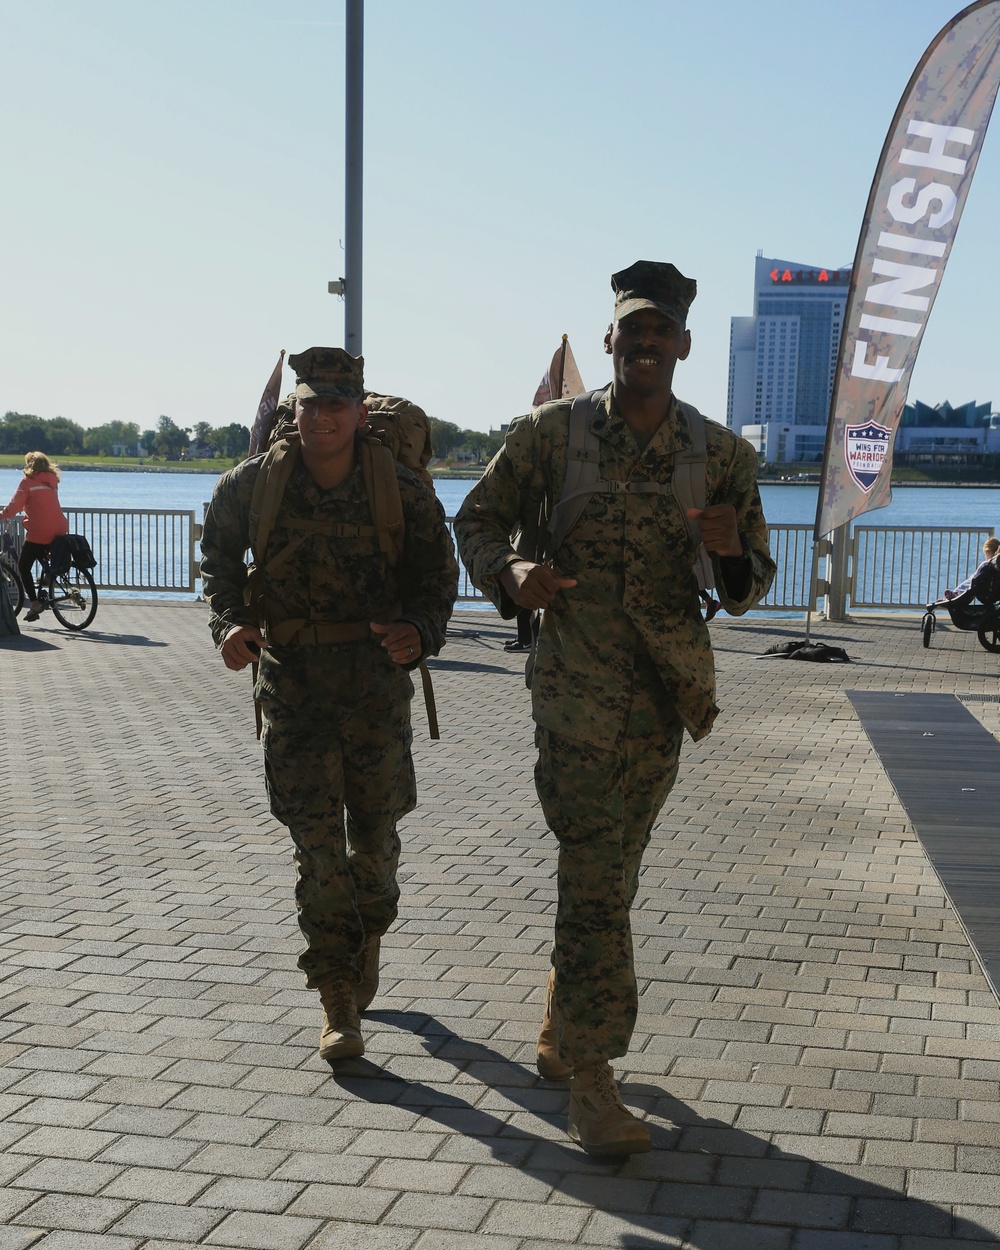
(818, 1052)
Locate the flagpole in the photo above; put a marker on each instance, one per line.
(813, 587)
(557, 390)
(354, 174)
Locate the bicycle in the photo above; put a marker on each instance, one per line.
(71, 594)
(9, 576)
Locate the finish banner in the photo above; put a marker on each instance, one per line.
(914, 208)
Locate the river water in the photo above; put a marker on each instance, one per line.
(783, 505)
(934, 506)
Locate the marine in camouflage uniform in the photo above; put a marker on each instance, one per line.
(624, 661)
(336, 714)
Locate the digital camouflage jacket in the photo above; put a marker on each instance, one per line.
(632, 557)
(333, 579)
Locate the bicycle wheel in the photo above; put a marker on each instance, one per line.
(73, 598)
(990, 639)
(927, 628)
(12, 585)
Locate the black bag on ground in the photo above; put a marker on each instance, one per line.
(70, 551)
(802, 649)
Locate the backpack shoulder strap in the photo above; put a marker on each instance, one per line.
(378, 467)
(690, 469)
(382, 488)
(268, 492)
(583, 469)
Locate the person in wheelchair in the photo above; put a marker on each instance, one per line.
(985, 584)
(990, 548)
(37, 496)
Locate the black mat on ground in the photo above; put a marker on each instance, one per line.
(945, 768)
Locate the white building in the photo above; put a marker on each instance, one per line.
(945, 434)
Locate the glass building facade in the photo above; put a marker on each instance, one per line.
(783, 359)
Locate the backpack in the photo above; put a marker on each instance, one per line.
(583, 480)
(68, 551)
(283, 425)
(404, 428)
(381, 487)
(386, 507)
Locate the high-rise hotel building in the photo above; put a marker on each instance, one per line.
(783, 359)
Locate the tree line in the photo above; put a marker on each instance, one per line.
(58, 436)
(448, 438)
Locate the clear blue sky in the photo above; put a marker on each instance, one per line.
(173, 203)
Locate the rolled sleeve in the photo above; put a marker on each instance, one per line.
(743, 581)
(224, 543)
(492, 527)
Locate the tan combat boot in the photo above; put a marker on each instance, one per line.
(598, 1119)
(341, 1036)
(547, 1052)
(368, 967)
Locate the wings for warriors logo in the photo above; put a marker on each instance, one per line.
(866, 447)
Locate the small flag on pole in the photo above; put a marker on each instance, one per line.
(561, 379)
(260, 431)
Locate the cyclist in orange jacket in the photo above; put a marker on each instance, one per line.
(37, 496)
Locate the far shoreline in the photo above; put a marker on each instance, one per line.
(459, 475)
(71, 467)
(473, 475)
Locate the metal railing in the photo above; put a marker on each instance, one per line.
(135, 549)
(890, 567)
(467, 593)
(791, 548)
(144, 549)
(907, 567)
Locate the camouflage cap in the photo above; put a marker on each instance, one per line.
(328, 371)
(653, 284)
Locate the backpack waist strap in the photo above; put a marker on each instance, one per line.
(306, 632)
(303, 633)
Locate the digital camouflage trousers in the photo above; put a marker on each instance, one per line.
(602, 805)
(339, 776)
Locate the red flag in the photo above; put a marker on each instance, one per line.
(561, 379)
(260, 431)
(916, 201)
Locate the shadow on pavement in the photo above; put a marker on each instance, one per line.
(437, 665)
(716, 1187)
(26, 642)
(120, 640)
(775, 631)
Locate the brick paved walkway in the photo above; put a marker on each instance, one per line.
(818, 1052)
